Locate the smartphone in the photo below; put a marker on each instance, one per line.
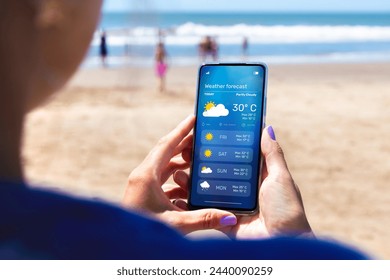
(230, 117)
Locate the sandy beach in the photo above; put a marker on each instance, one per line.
(331, 119)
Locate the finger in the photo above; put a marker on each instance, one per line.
(189, 221)
(185, 144)
(179, 163)
(175, 192)
(181, 204)
(160, 156)
(264, 172)
(182, 179)
(181, 131)
(275, 162)
(168, 145)
(174, 165)
(180, 190)
(187, 154)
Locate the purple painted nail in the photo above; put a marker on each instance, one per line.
(271, 133)
(228, 221)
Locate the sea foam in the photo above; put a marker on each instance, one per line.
(191, 33)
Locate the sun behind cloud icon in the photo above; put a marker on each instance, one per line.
(208, 153)
(209, 136)
(206, 170)
(214, 111)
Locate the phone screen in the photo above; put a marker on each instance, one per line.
(230, 113)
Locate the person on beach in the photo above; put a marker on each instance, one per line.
(208, 47)
(161, 65)
(244, 48)
(37, 60)
(103, 48)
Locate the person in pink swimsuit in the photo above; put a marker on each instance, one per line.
(161, 65)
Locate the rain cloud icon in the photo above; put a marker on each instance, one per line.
(204, 185)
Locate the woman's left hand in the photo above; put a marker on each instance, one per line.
(147, 193)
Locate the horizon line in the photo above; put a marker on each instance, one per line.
(150, 11)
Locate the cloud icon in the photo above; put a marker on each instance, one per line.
(207, 170)
(204, 185)
(216, 111)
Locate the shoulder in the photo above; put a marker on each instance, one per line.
(292, 248)
(42, 224)
(64, 227)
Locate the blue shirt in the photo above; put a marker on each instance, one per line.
(39, 224)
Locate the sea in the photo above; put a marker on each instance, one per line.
(273, 38)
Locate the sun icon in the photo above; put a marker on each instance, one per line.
(208, 153)
(204, 168)
(209, 136)
(209, 105)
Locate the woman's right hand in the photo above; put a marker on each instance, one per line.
(281, 210)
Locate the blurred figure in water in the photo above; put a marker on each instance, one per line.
(161, 65)
(103, 48)
(208, 47)
(244, 46)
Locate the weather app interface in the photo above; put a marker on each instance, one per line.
(226, 159)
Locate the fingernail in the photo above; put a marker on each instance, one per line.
(271, 133)
(228, 221)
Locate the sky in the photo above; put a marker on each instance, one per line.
(249, 5)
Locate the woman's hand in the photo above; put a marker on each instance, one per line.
(281, 210)
(281, 207)
(144, 191)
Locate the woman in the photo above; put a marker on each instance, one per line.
(37, 59)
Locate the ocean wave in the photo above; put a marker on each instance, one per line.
(191, 33)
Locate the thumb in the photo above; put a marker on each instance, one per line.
(273, 155)
(189, 221)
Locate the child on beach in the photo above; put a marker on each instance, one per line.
(37, 59)
(161, 65)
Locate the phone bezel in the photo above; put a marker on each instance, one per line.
(264, 103)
